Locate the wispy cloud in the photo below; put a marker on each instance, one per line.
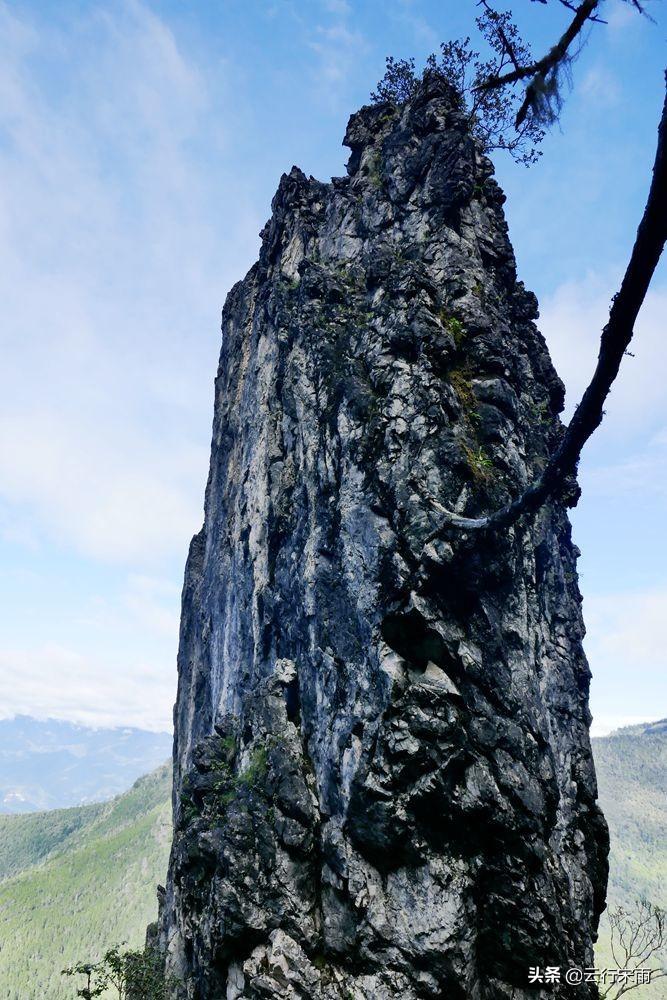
(155, 604)
(601, 85)
(340, 7)
(112, 494)
(112, 274)
(629, 626)
(642, 473)
(621, 15)
(53, 681)
(111, 661)
(572, 320)
(408, 12)
(625, 644)
(337, 47)
(110, 285)
(606, 724)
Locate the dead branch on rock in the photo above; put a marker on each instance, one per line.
(616, 336)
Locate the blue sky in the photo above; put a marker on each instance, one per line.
(140, 145)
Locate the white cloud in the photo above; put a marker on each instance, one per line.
(621, 15)
(628, 627)
(339, 7)
(114, 495)
(144, 606)
(601, 86)
(605, 724)
(114, 261)
(572, 320)
(111, 277)
(642, 473)
(155, 604)
(625, 644)
(52, 681)
(337, 48)
(624, 473)
(113, 663)
(423, 32)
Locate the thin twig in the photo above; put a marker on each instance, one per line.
(507, 45)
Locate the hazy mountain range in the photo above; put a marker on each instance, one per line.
(75, 881)
(52, 764)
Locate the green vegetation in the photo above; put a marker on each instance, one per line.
(479, 462)
(462, 386)
(492, 112)
(454, 328)
(77, 882)
(125, 973)
(27, 839)
(631, 766)
(214, 799)
(375, 169)
(256, 769)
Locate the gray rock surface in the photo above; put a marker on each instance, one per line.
(383, 777)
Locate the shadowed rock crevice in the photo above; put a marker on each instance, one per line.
(383, 779)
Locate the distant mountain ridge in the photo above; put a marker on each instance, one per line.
(74, 882)
(50, 764)
(100, 864)
(631, 767)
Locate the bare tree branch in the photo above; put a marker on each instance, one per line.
(573, 7)
(554, 56)
(622, 990)
(638, 934)
(617, 334)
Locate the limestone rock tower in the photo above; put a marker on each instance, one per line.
(383, 777)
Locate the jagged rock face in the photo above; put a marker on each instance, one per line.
(383, 778)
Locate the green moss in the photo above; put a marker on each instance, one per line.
(227, 750)
(256, 769)
(226, 789)
(189, 811)
(462, 386)
(89, 883)
(388, 116)
(374, 169)
(351, 277)
(457, 330)
(542, 412)
(479, 462)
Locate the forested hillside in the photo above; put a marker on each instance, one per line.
(51, 764)
(632, 777)
(76, 881)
